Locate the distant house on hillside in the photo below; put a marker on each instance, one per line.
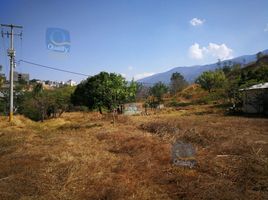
(255, 99)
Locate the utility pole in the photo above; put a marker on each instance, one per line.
(11, 54)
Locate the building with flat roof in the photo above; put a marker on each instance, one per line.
(21, 76)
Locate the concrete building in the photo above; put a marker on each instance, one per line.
(71, 83)
(21, 76)
(255, 99)
(133, 109)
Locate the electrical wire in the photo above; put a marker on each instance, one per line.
(53, 68)
(66, 71)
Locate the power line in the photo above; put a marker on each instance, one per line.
(53, 68)
(67, 71)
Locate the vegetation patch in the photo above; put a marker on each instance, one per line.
(8, 143)
(203, 138)
(124, 161)
(76, 126)
(161, 128)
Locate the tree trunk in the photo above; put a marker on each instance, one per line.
(113, 116)
(100, 110)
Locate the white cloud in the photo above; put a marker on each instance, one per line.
(266, 28)
(197, 22)
(220, 51)
(196, 52)
(143, 75)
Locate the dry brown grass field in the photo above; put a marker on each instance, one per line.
(85, 156)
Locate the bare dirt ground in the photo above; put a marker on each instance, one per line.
(85, 156)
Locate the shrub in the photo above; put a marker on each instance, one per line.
(178, 104)
(41, 104)
(161, 128)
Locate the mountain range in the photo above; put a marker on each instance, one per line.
(190, 73)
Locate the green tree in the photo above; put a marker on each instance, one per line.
(226, 69)
(40, 104)
(80, 96)
(262, 73)
(19, 91)
(61, 101)
(1, 81)
(4, 98)
(177, 83)
(104, 90)
(142, 91)
(158, 91)
(211, 80)
(250, 77)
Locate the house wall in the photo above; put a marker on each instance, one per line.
(132, 109)
(253, 101)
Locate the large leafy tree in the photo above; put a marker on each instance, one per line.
(158, 90)
(177, 82)
(104, 90)
(212, 80)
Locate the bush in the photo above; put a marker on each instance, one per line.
(79, 108)
(3, 107)
(213, 97)
(178, 104)
(161, 128)
(31, 110)
(41, 104)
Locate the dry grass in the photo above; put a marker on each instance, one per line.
(85, 156)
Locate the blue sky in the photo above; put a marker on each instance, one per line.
(133, 37)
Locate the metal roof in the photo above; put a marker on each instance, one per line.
(257, 86)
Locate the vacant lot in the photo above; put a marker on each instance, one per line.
(85, 156)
